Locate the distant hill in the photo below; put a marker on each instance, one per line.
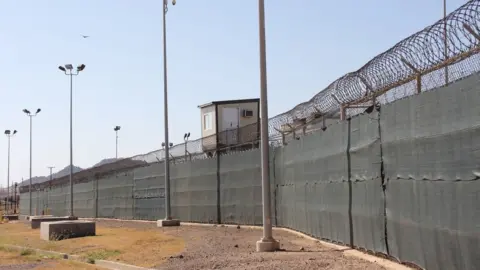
(105, 161)
(61, 173)
(66, 171)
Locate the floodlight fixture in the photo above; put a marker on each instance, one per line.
(26, 111)
(69, 66)
(62, 68)
(81, 67)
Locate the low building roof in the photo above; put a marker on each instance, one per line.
(232, 101)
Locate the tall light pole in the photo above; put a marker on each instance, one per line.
(9, 134)
(30, 115)
(267, 243)
(168, 221)
(116, 129)
(68, 70)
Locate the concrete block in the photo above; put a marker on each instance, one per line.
(59, 230)
(30, 217)
(37, 220)
(267, 245)
(10, 217)
(168, 223)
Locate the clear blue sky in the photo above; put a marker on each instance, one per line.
(212, 55)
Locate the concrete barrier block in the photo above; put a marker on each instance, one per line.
(30, 217)
(59, 230)
(168, 223)
(10, 217)
(35, 221)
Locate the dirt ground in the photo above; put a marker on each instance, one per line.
(187, 247)
(145, 247)
(231, 248)
(12, 260)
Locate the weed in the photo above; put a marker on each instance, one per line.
(26, 252)
(102, 254)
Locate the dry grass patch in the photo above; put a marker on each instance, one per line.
(29, 260)
(142, 247)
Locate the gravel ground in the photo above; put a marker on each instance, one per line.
(232, 248)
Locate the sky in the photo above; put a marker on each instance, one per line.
(212, 55)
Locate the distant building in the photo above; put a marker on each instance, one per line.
(230, 124)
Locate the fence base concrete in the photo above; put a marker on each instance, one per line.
(37, 220)
(168, 223)
(60, 230)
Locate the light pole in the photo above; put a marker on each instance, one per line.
(267, 243)
(185, 138)
(68, 70)
(9, 134)
(31, 115)
(168, 221)
(116, 129)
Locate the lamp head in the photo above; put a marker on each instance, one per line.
(69, 66)
(81, 67)
(26, 111)
(15, 132)
(7, 132)
(39, 110)
(62, 68)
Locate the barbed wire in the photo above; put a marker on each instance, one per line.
(423, 50)
(453, 42)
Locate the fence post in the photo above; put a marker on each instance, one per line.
(95, 188)
(219, 210)
(350, 185)
(133, 194)
(419, 83)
